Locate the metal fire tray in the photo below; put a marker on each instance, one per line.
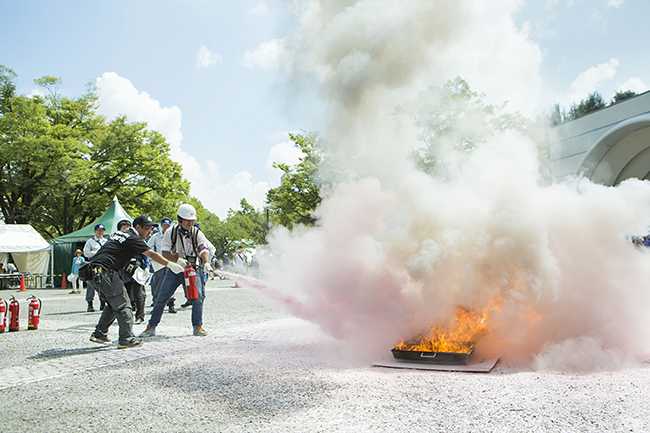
(449, 358)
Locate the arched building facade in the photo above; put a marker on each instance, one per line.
(607, 146)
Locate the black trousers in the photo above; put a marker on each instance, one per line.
(137, 298)
(118, 306)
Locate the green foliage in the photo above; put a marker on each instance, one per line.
(7, 87)
(592, 103)
(52, 84)
(243, 227)
(298, 195)
(557, 115)
(62, 164)
(455, 117)
(621, 96)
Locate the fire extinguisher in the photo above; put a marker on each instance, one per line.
(34, 310)
(3, 315)
(191, 289)
(14, 308)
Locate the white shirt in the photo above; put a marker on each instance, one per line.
(184, 245)
(155, 242)
(92, 246)
(240, 261)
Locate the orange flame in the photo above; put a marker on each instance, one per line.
(466, 328)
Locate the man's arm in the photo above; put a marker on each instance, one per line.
(169, 256)
(88, 249)
(172, 265)
(205, 256)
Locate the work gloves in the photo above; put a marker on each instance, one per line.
(175, 267)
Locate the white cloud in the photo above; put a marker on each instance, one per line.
(259, 9)
(498, 59)
(36, 92)
(615, 3)
(267, 55)
(284, 153)
(205, 59)
(591, 79)
(228, 195)
(118, 96)
(634, 84)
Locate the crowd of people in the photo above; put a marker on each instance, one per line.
(144, 253)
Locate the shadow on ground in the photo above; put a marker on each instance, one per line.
(62, 353)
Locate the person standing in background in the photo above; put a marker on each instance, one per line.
(77, 260)
(91, 248)
(240, 262)
(155, 243)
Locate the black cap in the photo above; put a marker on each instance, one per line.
(144, 220)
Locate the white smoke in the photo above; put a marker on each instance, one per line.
(396, 249)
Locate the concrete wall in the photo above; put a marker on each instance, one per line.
(607, 146)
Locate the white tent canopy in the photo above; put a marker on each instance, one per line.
(29, 250)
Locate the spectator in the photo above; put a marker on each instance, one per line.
(3, 280)
(77, 260)
(240, 262)
(91, 248)
(155, 242)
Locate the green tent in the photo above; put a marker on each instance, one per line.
(63, 247)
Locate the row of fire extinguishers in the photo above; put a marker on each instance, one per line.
(9, 312)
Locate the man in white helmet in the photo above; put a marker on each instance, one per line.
(186, 245)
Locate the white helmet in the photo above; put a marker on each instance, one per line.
(187, 212)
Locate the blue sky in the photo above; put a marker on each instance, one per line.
(209, 74)
(577, 35)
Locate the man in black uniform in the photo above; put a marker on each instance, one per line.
(106, 264)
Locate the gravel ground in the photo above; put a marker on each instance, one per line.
(260, 370)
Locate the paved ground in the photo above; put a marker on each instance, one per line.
(259, 370)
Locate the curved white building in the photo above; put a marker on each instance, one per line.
(607, 146)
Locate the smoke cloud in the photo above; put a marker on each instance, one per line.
(396, 249)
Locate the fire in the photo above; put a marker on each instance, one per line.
(466, 328)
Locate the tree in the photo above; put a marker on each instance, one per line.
(62, 164)
(592, 103)
(298, 195)
(7, 88)
(34, 151)
(455, 117)
(622, 95)
(557, 115)
(245, 226)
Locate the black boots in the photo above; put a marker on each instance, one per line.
(91, 309)
(172, 310)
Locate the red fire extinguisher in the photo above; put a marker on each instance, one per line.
(191, 289)
(34, 310)
(3, 315)
(14, 308)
